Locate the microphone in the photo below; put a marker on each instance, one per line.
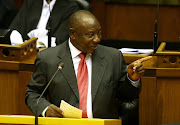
(155, 43)
(61, 65)
(49, 25)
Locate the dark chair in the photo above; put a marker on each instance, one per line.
(129, 112)
(5, 36)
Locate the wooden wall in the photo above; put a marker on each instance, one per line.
(136, 22)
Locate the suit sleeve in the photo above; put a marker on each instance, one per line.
(20, 21)
(36, 86)
(126, 91)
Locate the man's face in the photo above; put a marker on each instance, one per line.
(87, 35)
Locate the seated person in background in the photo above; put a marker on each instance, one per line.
(95, 87)
(33, 21)
(8, 12)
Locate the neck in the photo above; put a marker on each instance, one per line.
(48, 1)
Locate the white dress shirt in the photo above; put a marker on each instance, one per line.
(76, 59)
(46, 9)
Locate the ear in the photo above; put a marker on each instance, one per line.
(72, 33)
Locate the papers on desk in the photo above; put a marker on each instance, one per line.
(136, 51)
(70, 111)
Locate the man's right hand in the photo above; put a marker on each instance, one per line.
(54, 111)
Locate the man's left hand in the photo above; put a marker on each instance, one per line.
(135, 70)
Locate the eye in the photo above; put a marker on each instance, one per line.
(90, 35)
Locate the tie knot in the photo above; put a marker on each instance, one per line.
(82, 55)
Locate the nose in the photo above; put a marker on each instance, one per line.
(97, 39)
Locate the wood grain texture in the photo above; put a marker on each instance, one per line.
(168, 100)
(12, 92)
(136, 22)
(147, 102)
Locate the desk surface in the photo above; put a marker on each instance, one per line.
(21, 119)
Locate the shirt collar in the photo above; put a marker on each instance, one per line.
(74, 51)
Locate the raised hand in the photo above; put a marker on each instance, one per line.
(135, 69)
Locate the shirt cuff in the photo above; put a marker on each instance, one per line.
(134, 83)
(44, 112)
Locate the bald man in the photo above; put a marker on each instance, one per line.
(109, 79)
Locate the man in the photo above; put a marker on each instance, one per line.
(8, 11)
(33, 20)
(107, 77)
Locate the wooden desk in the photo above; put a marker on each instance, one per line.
(16, 67)
(26, 120)
(159, 101)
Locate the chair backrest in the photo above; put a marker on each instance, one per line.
(129, 112)
(5, 36)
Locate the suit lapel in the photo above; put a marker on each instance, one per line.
(98, 68)
(56, 20)
(68, 70)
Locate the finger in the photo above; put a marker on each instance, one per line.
(139, 68)
(144, 59)
(136, 66)
(53, 111)
(58, 110)
(135, 63)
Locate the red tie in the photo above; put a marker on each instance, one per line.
(82, 80)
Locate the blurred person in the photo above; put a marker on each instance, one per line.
(8, 12)
(37, 17)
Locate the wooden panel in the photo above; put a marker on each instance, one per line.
(12, 92)
(168, 72)
(168, 100)
(8, 81)
(99, 10)
(136, 22)
(147, 102)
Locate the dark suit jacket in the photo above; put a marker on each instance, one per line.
(8, 12)
(28, 17)
(109, 81)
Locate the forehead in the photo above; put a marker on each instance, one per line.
(90, 24)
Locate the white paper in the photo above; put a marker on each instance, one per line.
(70, 111)
(135, 51)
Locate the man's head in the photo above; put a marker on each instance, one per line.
(84, 31)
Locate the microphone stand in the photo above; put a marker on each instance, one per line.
(49, 36)
(155, 43)
(49, 28)
(61, 65)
